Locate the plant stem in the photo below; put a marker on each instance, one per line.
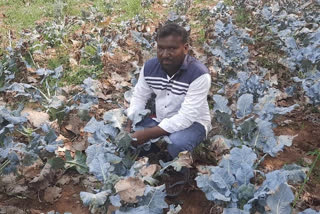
(78, 164)
(4, 165)
(306, 179)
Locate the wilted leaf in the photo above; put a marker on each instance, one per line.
(51, 194)
(36, 118)
(148, 171)
(184, 159)
(152, 202)
(129, 189)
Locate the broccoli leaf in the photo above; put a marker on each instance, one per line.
(244, 105)
(279, 202)
(97, 199)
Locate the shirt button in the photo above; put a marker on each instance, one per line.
(168, 94)
(165, 106)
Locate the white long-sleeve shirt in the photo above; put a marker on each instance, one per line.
(181, 99)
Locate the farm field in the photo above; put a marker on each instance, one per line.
(67, 71)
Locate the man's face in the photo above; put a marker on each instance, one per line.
(171, 52)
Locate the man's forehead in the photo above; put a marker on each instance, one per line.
(175, 38)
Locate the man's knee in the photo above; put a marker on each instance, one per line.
(186, 140)
(179, 144)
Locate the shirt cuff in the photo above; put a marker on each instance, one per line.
(166, 125)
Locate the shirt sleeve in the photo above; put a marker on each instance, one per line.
(190, 107)
(141, 93)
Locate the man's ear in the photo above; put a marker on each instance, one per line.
(186, 48)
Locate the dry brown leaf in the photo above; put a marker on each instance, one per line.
(45, 178)
(74, 124)
(36, 118)
(32, 171)
(130, 188)
(148, 171)
(11, 185)
(51, 194)
(218, 146)
(10, 210)
(80, 145)
(63, 180)
(230, 91)
(185, 159)
(31, 79)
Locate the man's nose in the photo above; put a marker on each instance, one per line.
(165, 53)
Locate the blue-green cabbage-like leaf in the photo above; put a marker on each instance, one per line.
(101, 161)
(97, 199)
(9, 116)
(238, 160)
(309, 211)
(115, 118)
(279, 202)
(221, 104)
(294, 173)
(101, 132)
(244, 105)
(234, 211)
(115, 200)
(216, 186)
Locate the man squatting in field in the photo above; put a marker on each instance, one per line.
(181, 84)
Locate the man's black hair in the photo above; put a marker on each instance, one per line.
(173, 29)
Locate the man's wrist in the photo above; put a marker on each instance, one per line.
(155, 132)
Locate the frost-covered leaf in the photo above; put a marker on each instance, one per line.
(97, 199)
(244, 105)
(221, 104)
(280, 201)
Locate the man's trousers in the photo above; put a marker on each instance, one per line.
(186, 139)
